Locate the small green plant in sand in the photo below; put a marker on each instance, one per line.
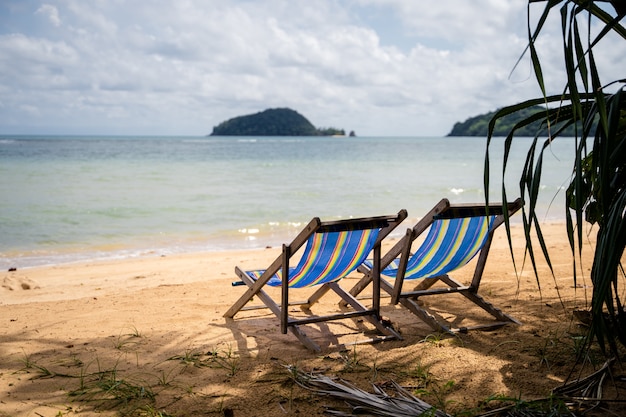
(560, 347)
(215, 358)
(109, 390)
(134, 332)
(26, 360)
(41, 371)
(375, 369)
(105, 387)
(546, 351)
(352, 361)
(420, 375)
(165, 379)
(228, 360)
(190, 358)
(126, 340)
(287, 386)
(435, 339)
(151, 411)
(425, 385)
(437, 393)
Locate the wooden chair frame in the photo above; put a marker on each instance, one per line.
(386, 224)
(402, 250)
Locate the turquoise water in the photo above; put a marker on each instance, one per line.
(73, 198)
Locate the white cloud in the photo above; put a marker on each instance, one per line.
(51, 13)
(180, 67)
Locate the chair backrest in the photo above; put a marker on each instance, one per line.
(450, 244)
(330, 256)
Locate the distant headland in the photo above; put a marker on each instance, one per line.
(273, 122)
(479, 125)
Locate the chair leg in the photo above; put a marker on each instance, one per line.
(425, 315)
(373, 318)
(253, 289)
(370, 315)
(363, 282)
(304, 339)
(315, 297)
(359, 286)
(473, 296)
(410, 301)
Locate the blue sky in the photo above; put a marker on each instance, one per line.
(180, 67)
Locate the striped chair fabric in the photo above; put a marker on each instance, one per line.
(327, 257)
(450, 244)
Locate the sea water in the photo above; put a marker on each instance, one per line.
(73, 198)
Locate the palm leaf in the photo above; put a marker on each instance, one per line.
(596, 193)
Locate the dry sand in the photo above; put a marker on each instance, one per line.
(147, 337)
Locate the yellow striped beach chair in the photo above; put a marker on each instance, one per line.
(456, 235)
(333, 250)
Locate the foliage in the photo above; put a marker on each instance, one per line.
(330, 131)
(272, 122)
(597, 191)
(479, 125)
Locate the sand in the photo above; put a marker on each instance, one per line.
(146, 336)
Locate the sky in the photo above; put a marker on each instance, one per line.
(181, 67)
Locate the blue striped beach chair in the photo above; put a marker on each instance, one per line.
(456, 235)
(333, 250)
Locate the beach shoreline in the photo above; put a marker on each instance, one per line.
(89, 274)
(157, 322)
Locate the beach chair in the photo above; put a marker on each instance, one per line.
(456, 234)
(333, 250)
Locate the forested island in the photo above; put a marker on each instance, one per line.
(479, 125)
(273, 122)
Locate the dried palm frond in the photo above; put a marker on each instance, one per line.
(588, 390)
(379, 403)
(565, 401)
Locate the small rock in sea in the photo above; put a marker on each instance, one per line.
(12, 269)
